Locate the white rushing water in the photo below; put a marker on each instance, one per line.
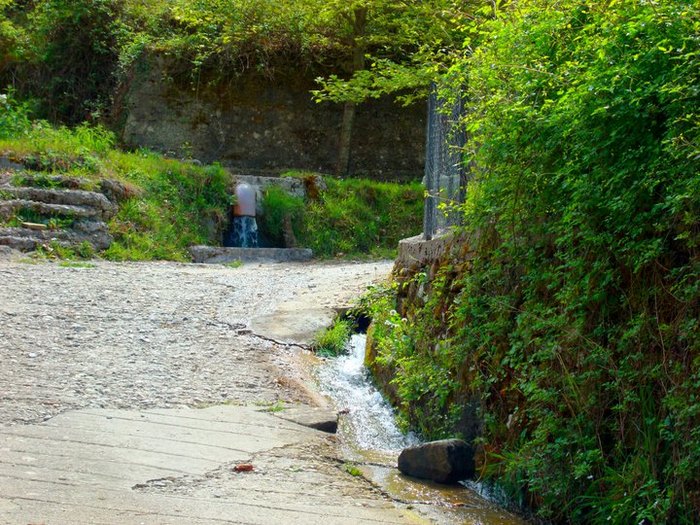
(370, 419)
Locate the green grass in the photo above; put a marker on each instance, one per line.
(51, 221)
(170, 204)
(331, 341)
(352, 470)
(76, 264)
(350, 218)
(273, 408)
(234, 264)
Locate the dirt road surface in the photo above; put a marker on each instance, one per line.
(142, 393)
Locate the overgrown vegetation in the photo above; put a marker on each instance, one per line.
(168, 205)
(347, 217)
(361, 216)
(55, 251)
(575, 325)
(576, 322)
(282, 212)
(71, 55)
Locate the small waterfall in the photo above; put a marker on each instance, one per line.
(244, 232)
(370, 420)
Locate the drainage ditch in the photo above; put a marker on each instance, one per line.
(372, 441)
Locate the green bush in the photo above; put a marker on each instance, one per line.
(72, 53)
(10, 36)
(577, 321)
(14, 116)
(358, 216)
(347, 217)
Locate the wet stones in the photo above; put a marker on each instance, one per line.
(445, 461)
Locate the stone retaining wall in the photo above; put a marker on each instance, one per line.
(255, 125)
(418, 263)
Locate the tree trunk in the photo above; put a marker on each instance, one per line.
(343, 167)
(359, 27)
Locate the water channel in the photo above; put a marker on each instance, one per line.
(372, 440)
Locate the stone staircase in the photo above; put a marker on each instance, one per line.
(38, 210)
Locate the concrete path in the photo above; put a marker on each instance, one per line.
(178, 466)
(132, 392)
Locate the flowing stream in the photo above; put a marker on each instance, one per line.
(369, 423)
(373, 441)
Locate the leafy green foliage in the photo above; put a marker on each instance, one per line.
(576, 322)
(71, 54)
(406, 46)
(235, 36)
(10, 35)
(178, 203)
(278, 206)
(348, 217)
(14, 116)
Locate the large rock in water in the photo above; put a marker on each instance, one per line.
(445, 461)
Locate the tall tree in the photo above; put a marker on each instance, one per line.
(9, 36)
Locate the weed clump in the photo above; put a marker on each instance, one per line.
(331, 342)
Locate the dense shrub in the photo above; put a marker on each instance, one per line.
(577, 322)
(71, 56)
(10, 35)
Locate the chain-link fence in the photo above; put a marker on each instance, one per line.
(445, 174)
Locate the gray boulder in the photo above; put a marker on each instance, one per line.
(445, 461)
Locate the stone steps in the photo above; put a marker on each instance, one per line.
(76, 198)
(26, 239)
(9, 208)
(64, 198)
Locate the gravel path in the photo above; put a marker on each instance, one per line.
(100, 365)
(165, 335)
